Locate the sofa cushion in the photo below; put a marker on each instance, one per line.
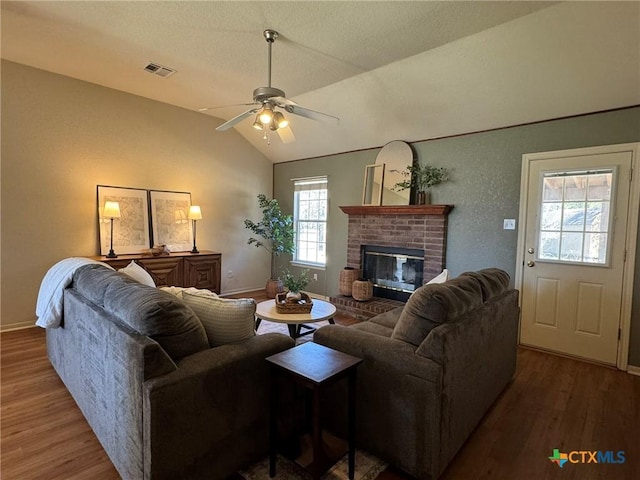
(138, 273)
(225, 320)
(434, 304)
(157, 314)
(388, 319)
(493, 281)
(92, 282)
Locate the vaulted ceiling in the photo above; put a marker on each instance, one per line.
(390, 70)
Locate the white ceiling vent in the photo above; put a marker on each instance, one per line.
(159, 70)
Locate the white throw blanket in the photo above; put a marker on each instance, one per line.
(50, 297)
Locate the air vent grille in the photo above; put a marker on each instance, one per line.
(159, 70)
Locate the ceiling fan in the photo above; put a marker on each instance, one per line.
(266, 100)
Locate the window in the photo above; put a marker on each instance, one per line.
(574, 217)
(310, 205)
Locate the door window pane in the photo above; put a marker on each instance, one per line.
(552, 189)
(599, 187)
(574, 217)
(571, 246)
(595, 247)
(575, 187)
(549, 246)
(551, 216)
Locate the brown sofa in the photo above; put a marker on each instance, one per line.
(162, 402)
(431, 369)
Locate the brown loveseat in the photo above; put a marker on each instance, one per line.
(163, 404)
(431, 369)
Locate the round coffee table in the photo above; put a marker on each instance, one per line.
(321, 310)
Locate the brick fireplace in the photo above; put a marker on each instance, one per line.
(421, 227)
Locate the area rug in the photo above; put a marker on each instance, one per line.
(368, 467)
(269, 327)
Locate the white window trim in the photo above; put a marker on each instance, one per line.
(316, 179)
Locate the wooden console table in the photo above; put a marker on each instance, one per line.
(179, 269)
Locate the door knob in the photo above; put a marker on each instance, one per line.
(530, 263)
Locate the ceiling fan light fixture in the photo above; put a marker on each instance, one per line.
(257, 124)
(266, 116)
(280, 120)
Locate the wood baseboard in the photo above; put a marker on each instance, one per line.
(633, 370)
(17, 326)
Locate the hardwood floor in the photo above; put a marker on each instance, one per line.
(553, 402)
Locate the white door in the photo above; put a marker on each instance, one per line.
(574, 252)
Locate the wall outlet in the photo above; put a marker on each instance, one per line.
(230, 274)
(315, 277)
(509, 224)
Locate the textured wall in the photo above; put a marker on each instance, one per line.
(484, 187)
(61, 137)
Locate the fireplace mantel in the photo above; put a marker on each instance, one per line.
(397, 209)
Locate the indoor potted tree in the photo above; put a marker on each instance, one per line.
(422, 177)
(276, 231)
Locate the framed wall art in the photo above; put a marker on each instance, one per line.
(170, 225)
(131, 229)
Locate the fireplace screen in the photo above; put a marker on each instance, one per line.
(395, 272)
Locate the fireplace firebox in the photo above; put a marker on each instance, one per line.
(395, 272)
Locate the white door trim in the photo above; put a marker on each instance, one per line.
(630, 241)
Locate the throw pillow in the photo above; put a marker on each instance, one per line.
(177, 291)
(440, 278)
(225, 320)
(139, 274)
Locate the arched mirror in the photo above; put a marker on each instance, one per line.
(396, 156)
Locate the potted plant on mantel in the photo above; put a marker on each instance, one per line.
(422, 177)
(276, 229)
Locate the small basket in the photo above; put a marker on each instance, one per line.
(347, 277)
(283, 305)
(362, 290)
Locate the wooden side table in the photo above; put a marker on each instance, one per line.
(314, 367)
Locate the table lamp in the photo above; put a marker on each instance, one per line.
(194, 214)
(111, 211)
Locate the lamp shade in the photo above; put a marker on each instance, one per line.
(256, 124)
(266, 115)
(195, 213)
(280, 120)
(111, 210)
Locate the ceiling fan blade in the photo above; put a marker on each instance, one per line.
(225, 106)
(312, 114)
(282, 102)
(227, 125)
(286, 134)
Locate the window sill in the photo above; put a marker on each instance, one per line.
(314, 266)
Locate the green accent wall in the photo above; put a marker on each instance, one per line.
(484, 188)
